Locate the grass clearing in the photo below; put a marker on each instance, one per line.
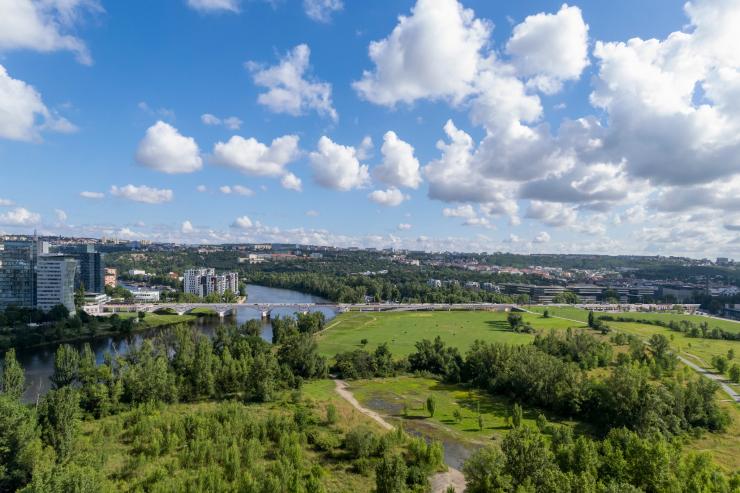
(161, 319)
(401, 330)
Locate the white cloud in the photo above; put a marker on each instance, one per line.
(404, 227)
(232, 122)
(400, 168)
(433, 53)
(236, 189)
(242, 222)
(291, 182)
(542, 237)
(322, 10)
(255, 158)
(43, 25)
(465, 211)
(19, 216)
(92, 195)
(187, 227)
(23, 114)
(212, 6)
(143, 193)
(552, 213)
(201, 189)
(550, 48)
(391, 197)
(6, 202)
(365, 149)
(336, 166)
(164, 149)
(290, 88)
(60, 215)
(312, 213)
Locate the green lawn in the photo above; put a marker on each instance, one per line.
(561, 311)
(401, 330)
(159, 320)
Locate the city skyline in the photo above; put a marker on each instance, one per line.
(428, 125)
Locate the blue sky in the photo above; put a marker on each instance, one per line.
(578, 139)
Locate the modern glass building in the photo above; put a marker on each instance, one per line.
(91, 274)
(55, 281)
(18, 273)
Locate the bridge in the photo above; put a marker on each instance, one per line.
(265, 309)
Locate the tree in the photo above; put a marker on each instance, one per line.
(527, 455)
(58, 313)
(730, 354)
(57, 415)
(485, 472)
(515, 321)
(79, 297)
(480, 422)
(457, 414)
(66, 361)
(390, 474)
(431, 405)
(21, 445)
(516, 416)
(720, 363)
(591, 318)
(546, 313)
(734, 373)
(252, 328)
(13, 381)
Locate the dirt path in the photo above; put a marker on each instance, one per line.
(440, 481)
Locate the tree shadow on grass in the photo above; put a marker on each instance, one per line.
(499, 325)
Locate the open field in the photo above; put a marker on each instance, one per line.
(390, 395)
(401, 330)
(560, 311)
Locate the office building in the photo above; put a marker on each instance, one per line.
(55, 281)
(91, 272)
(18, 273)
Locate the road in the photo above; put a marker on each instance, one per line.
(440, 481)
(702, 371)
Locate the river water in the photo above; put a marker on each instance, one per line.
(39, 362)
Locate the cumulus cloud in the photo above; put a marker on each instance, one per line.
(433, 53)
(255, 158)
(242, 222)
(322, 10)
(400, 168)
(23, 114)
(337, 166)
(143, 193)
(290, 181)
(312, 213)
(231, 122)
(466, 211)
(290, 87)
(92, 195)
(19, 216)
(164, 149)
(44, 26)
(404, 227)
(236, 189)
(542, 237)
(201, 189)
(552, 213)
(214, 6)
(60, 215)
(187, 227)
(6, 202)
(550, 48)
(391, 197)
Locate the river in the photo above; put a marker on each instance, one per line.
(39, 362)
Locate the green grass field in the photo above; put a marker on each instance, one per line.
(389, 396)
(158, 320)
(561, 311)
(401, 330)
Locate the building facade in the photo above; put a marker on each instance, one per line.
(202, 282)
(91, 272)
(55, 281)
(18, 272)
(111, 277)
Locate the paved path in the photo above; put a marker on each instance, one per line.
(702, 371)
(440, 481)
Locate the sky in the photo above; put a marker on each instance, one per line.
(530, 126)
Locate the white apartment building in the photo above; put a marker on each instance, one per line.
(145, 296)
(55, 282)
(204, 281)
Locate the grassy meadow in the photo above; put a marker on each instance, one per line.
(401, 330)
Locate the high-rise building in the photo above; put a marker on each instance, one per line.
(18, 273)
(202, 282)
(91, 274)
(55, 281)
